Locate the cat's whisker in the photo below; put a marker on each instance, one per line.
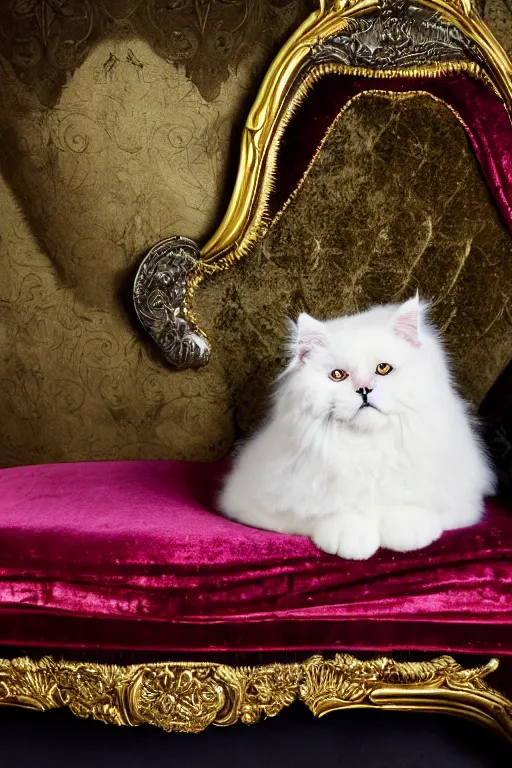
(407, 407)
(400, 424)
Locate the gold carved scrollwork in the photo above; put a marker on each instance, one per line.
(372, 38)
(177, 698)
(321, 45)
(189, 696)
(442, 686)
(280, 93)
(28, 683)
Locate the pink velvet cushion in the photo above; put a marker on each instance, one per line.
(130, 555)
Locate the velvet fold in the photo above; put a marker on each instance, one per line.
(131, 555)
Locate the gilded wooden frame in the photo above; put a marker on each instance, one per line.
(293, 72)
(188, 697)
(191, 696)
(278, 96)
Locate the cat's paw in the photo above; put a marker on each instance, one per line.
(405, 528)
(349, 536)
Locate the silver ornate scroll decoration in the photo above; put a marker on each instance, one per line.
(159, 294)
(399, 35)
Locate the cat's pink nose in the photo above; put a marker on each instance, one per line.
(363, 384)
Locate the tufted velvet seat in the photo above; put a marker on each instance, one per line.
(131, 555)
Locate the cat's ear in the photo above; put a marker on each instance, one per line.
(309, 334)
(406, 321)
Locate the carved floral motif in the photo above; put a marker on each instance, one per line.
(191, 696)
(400, 34)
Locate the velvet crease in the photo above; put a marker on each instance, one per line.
(129, 555)
(482, 114)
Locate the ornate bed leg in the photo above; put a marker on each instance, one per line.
(441, 685)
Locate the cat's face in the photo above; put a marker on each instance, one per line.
(363, 369)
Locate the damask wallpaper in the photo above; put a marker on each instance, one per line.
(119, 123)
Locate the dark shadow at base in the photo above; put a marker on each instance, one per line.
(366, 739)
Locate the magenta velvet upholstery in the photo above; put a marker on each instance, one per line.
(131, 555)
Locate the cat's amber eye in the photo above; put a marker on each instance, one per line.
(383, 369)
(338, 375)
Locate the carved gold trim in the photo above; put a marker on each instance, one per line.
(188, 697)
(259, 176)
(284, 88)
(167, 279)
(279, 96)
(262, 226)
(259, 221)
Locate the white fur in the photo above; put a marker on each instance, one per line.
(354, 478)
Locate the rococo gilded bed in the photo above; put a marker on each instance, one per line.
(375, 160)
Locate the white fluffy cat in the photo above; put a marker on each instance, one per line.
(368, 443)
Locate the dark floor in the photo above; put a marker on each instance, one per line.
(356, 739)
